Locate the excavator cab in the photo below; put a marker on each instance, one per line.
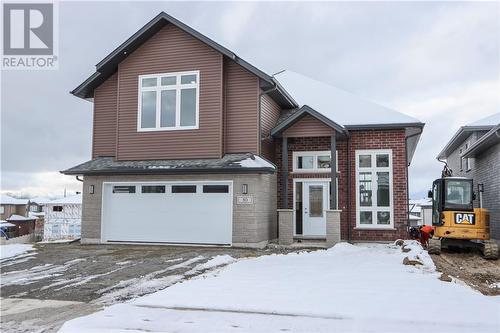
(452, 194)
(455, 220)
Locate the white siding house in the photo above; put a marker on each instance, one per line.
(63, 218)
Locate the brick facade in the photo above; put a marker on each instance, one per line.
(359, 140)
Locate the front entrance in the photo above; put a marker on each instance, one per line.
(314, 203)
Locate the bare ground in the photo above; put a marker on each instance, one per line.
(471, 268)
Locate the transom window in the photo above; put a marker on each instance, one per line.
(168, 101)
(312, 161)
(374, 189)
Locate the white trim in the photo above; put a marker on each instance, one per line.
(309, 180)
(187, 182)
(374, 209)
(315, 155)
(177, 88)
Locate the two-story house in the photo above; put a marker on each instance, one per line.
(194, 145)
(474, 152)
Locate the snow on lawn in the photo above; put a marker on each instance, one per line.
(12, 250)
(346, 288)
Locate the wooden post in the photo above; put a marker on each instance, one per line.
(284, 173)
(333, 174)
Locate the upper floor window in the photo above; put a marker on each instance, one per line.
(313, 161)
(168, 101)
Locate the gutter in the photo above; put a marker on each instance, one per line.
(165, 171)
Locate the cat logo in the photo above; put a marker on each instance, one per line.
(464, 218)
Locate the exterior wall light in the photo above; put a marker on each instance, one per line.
(244, 189)
(91, 189)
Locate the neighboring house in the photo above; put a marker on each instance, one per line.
(474, 152)
(35, 205)
(24, 225)
(63, 218)
(420, 214)
(12, 206)
(192, 144)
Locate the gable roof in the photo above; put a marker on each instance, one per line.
(290, 117)
(484, 124)
(486, 141)
(107, 66)
(341, 106)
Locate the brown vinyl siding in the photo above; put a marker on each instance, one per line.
(241, 109)
(171, 50)
(269, 114)
(104, 135)
(308, 126)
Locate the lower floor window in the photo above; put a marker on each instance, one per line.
(374, 188)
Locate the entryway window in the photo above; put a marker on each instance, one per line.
(168, 101)
(374, 203)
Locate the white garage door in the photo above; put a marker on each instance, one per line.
(187, 212)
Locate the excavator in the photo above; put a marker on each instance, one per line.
(455, 220)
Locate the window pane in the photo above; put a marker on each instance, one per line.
(316, 201)
(383, 189)
(215, 189)
(168, 80)
(167, 117)
(151, 82)
(187, 79)
(365, 161)
(383, 160)
(148, 111)
(305, 162)
(365, 189)
(123, 189)
(365, 217)
(188, 107)
(153, 189)
(383, 218)
(324, 162)
(183, 188)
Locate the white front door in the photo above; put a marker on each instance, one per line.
(315, 201)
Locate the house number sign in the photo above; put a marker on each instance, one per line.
(244, 199)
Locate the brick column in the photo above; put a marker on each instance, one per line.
(285, 221)
(332, 227)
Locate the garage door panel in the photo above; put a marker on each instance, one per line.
(204, 218)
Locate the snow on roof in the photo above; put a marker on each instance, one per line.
(340, 106)
(41, 200)
(16, 217)
(8, 200)
(72, 199)
(492, 120)
(6, 224)
(255, 162)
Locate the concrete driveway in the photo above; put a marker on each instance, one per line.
(42, 289)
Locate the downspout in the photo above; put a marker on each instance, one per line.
(408, 178)
(80, 180)
(264, 92)
(349, 187)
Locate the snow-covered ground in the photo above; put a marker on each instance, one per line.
(347, 288)
(12, 250)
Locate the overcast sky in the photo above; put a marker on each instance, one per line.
(438, 62)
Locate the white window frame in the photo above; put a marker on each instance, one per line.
(158, 89)
(2, 210)
(374, 209)
(315, 155)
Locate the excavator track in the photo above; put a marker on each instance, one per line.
(434, 246)
(490, 250)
